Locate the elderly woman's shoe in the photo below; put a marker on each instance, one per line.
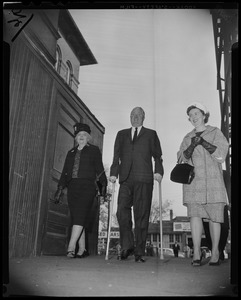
(71, 254)
(83, 255)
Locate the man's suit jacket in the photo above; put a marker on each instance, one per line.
(137, 156)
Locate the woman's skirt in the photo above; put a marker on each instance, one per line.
(213, 212)
(81, 195)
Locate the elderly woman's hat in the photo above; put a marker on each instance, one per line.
(81, 127)
(197, 105)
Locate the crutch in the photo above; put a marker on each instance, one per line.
(160, 208)
(110, 212)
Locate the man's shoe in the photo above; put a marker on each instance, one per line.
(126, 253)
(139, 258)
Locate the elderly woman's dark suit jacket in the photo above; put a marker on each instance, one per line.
(82, 190)
(90, 165)
(137, 156)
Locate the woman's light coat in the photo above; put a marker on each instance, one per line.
(208, 183)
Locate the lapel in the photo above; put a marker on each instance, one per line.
(207, 130)
(141, 132)
(73, 150)
(129, 135)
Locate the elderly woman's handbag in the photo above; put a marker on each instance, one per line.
(182, 173)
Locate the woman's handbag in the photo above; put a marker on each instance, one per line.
(182, 173)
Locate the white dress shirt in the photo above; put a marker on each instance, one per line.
(133, 131)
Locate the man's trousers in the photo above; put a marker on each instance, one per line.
(138, 195)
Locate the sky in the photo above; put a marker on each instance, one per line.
(159, 59)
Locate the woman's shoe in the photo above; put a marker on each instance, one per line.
(83, 255)
(71, 254)
(217, 263)
(221, 256)
(197, 262)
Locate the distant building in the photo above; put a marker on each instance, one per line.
(174, 230)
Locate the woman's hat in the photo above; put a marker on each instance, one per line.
(81, 127)
(197, 105)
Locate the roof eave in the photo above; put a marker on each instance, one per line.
(75, 39)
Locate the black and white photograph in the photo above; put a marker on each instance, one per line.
(119, 143)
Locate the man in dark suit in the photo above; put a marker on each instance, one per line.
(134, 150)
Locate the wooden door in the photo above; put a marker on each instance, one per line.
(57, 224)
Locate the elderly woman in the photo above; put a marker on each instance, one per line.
(205, 147)
(83, 164)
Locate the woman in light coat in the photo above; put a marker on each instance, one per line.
(206, 148)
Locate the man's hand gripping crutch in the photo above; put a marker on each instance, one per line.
(110, 212)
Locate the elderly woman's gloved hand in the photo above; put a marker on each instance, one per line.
(58, 195)
(103, 190)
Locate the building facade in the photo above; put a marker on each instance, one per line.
(45, 50)
(174, 230)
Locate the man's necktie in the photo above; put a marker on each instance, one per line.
(135, 135)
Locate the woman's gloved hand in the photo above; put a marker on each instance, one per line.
(209, 147)
(189, 151)
(196, 140)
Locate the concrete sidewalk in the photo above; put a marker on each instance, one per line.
(95, 276)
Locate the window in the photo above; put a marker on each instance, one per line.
(58, 59)
(69, 73)
(154, 237)
(171, 240)
(177, 238)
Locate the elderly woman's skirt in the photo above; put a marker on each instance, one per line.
(81, 195)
